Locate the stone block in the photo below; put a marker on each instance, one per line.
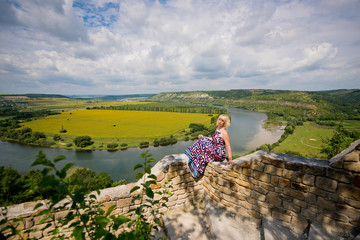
(352, 213)
(294, 193)
(125, 202)
(273, 199)
(273, 170)
(288, 205)
(247, 172)
(278, 163)
(348, 191)
(227, 203)
(282, 215)
(243, 183)
(257, 166)
(233, 174)
(302, 204)
(318, 191)
(274, 180)
(262, 176)
(294, 166)
(298, 224)
(339, 175)
(314, 170)
(310, 198)
(171, 175)
(326, 204)
(351, 157)
(337, 164)
(352, 166)
(268, 187)
(299, 186)
(288, 174)
(284, 182)
(308, 180)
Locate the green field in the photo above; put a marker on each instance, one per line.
(108, 126)
(307, 139)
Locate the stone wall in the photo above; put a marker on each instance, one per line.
(304, 195)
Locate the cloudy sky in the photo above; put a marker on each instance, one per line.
(151, 46)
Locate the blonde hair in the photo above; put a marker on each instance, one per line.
(226, 120)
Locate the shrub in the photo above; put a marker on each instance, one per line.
(112, 145)
(83, 141)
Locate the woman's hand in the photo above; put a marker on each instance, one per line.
(230, 162)
(200, 136)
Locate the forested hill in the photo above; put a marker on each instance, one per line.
(335, 104)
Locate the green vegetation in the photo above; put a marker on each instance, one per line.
(310, 139)
(87, 218)
(83, 141)
(15, 188)
(340, 140)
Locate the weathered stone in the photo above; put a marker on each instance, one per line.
(291, 206)
(347, 191)
(302, 204)
(314, 170)
(308, 180)
(36, 235)
(337, 164)
(281, 215)
(326, 184)
(298, 224)
(247, 172)
(294, 193)
(243, 183)
(273, 170)
(299, 186)
(284, 182)
(339, 175)
(326, 204)
(349, 211)
(295, 166)
(123, 202)
(278, 163)
(268, 187)
(262, 176)
(352, 166)
(171, 175)
(351, 157)
(310, 198)
(273, 199)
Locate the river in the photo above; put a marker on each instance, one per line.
(244, 132)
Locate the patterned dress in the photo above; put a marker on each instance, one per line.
(203, 151)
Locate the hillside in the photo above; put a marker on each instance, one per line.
(325, 105)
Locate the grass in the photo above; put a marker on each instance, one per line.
(307, 139)
(109, 126)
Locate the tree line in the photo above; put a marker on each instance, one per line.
(165, 107)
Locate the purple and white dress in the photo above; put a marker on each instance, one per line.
(203, 151)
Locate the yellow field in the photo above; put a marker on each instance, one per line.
(71, 103)
(117, 124)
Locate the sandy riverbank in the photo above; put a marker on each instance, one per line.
(265, 136)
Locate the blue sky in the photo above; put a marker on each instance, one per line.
(151, 46)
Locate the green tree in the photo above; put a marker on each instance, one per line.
(338, 142)
(83, 141)
(11, 185)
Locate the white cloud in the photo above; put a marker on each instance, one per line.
(142, 46)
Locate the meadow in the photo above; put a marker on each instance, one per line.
(307, 139)
(114, 126)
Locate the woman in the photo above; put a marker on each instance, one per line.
(210, 149)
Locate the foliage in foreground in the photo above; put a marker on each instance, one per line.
(86, 217)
